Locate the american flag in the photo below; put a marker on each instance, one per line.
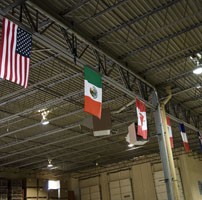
(15, 53)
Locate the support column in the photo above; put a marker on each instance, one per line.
(104, 186)
(170, 154)
(162, 146)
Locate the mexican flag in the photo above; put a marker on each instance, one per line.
(93, 92)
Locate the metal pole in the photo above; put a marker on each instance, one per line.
(170, 154)
(162, 146)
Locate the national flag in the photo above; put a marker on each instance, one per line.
(184, 137)
(15, 53)
(142, 118)
(170, 131)
(200, 140)
(93, 92)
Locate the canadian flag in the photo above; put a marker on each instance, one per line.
(170, 131)
(184, 137)
(142, 118)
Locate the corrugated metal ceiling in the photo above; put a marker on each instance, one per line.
(152, 38)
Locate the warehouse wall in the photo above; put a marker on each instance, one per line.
(73, 185)
(143, 182)
(37, 189)
(191, 171)
(142, 177)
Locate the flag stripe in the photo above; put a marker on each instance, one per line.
(4, 49)
(168, 121)
(171, 142)
(92, 107)
(182, 129)
(186, 146)
(18, 69)
(170, 131)
(4, 41)
(23, 70)
(93, 77)
(2, 46)
(13, 56)
(7, 51)
(27, 61)
(184, 137)
(87, 91)
(20, 66)
(7, 75)
(11, 52)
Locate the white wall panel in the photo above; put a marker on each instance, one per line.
(90, 193)
(121, 189)
(160, 185)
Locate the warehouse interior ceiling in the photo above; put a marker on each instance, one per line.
(138, 47)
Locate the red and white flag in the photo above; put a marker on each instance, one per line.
(170, 131)
(142, 118)
(184, 137)
(15, 53)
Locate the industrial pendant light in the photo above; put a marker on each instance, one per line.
(44, 119)
(198, 66)
(198, 69)
(50, 164)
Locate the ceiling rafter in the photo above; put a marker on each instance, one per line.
(151, 12)
(159, 41)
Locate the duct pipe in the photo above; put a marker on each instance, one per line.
(124, 107)
(168, 145)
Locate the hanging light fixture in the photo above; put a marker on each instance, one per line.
(44, 119)
(198, 86)
(50, 164)
(130, 145)
(198, 67)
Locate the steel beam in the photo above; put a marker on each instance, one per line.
(66, 25)
(115, 5)
(16, 3)
(74, 7)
